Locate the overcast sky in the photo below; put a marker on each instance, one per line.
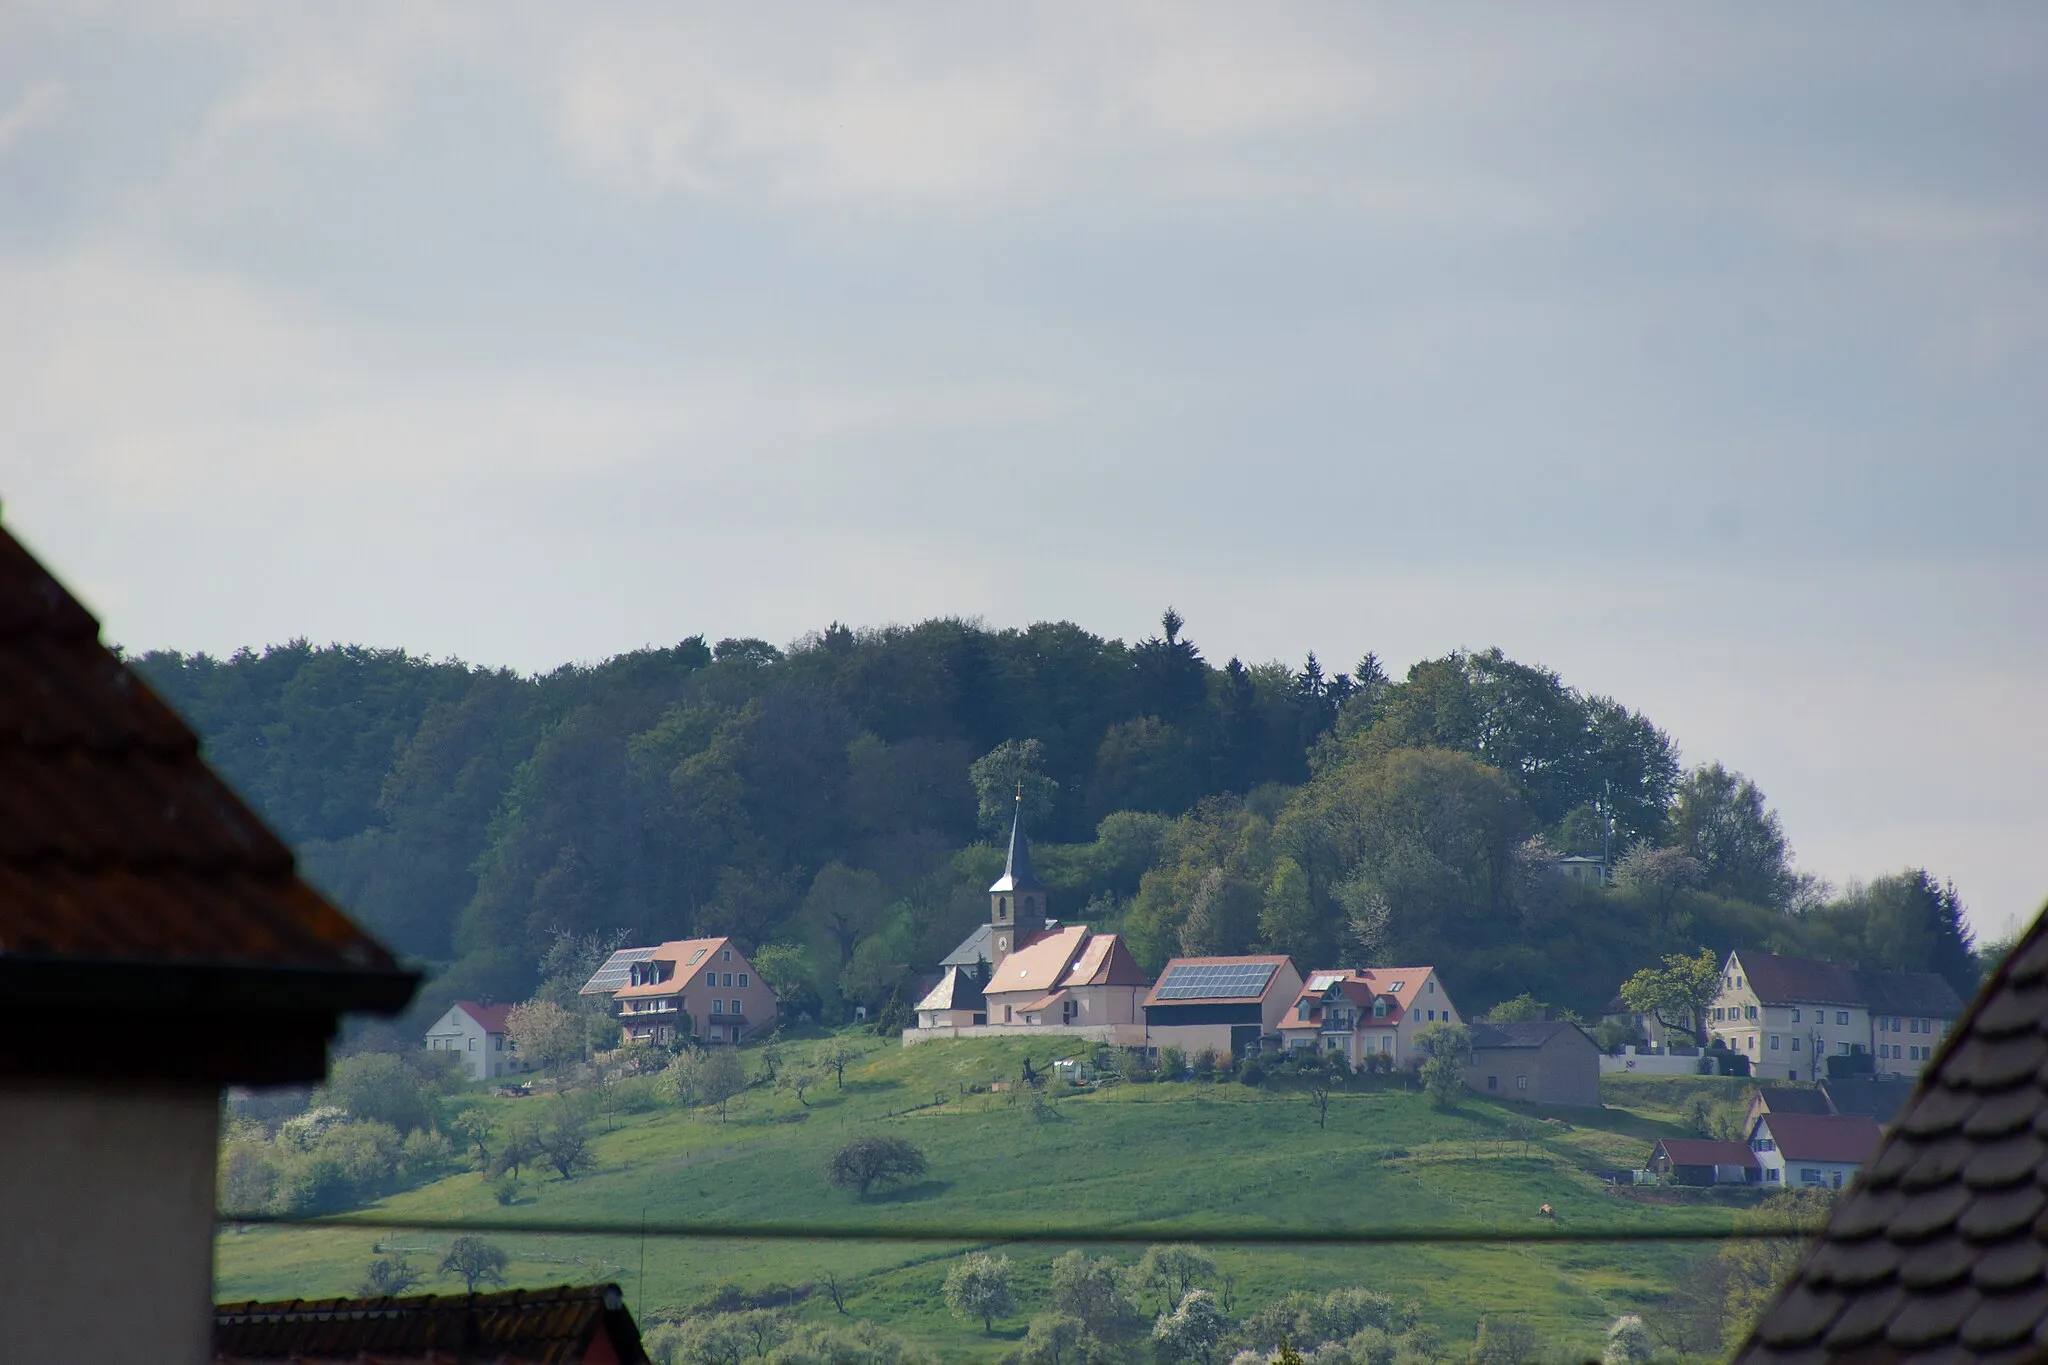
(1701, 360)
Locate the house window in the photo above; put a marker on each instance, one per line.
(1379, 1009)
(718, 1007)
(1493, 1082)
(1386, 1043)
(1521, 1082)
(1795, 1042)
(1774, 1042)
(725, 956)
(1842, 1049)
(1750, 1042)
(1749, 1012)
(497, 1042)
(1301, 1010)
(472, 1045)
(1069, 1010)
(735, 1008)
(1773, 1175)
(1795, 1014)
(1841, 1016)
(1007, 1013)
(1432, 988)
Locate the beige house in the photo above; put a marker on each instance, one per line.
(703, 988)
(1535, 1062)
(956, 1002)
(1788, 1015)
(1226, 1005)
(1367, 1011)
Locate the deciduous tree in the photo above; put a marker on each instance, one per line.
(476, 1261)
(978, 1286)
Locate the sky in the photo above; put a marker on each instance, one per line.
(1697, 354)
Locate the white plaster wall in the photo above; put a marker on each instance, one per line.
(106, 1223)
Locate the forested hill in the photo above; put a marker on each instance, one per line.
(840, 800)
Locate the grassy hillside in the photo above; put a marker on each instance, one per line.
(1135, 1159)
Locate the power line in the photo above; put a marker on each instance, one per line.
(1214, 1236)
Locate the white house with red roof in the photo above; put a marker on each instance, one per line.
(1367, 1012)
(479, 1033)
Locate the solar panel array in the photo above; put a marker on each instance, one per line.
(612, 975)
(1215, 980)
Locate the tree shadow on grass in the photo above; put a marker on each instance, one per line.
(909, 1194)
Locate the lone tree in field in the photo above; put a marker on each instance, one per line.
(979, 1287)
(870, 1161)
(476, 1261)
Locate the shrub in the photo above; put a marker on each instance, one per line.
(1252, 1071)
(1173, 1064)
(1204, 1065)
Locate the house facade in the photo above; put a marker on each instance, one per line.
(956, 1002)
(479, 1034)
(1366, 1012)
(699, 988)
(1699, 1161)
(1226, 1005)
(1788, 1015)
(1535, 1062)
(1812, 1151)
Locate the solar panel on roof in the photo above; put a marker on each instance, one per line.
(1216, 980)
(612, 975)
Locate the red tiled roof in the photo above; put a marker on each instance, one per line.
(1823, 1137)
(515, 1327)
(1106, 962)
(123, 856)
(1703, 1152)
(116, 840)
(492, 1017)
(1040, 963)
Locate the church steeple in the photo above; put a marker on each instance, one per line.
(1017, 898)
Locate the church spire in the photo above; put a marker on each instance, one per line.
(1017, 873)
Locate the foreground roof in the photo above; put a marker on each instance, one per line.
(514, 1327)
(136, 889)
(1792, 1099)
(1940, 1249)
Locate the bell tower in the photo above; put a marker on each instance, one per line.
(1016, 902)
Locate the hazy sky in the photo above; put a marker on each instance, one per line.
(1705, 361)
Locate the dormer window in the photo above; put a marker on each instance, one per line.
(1379, 1009)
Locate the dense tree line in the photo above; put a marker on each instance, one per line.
(837, 805)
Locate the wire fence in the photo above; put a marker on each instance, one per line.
(997, 1234)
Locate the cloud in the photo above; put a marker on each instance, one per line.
(37, 106)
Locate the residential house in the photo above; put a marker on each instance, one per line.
(1816, 1151)
(1788, 1015)
(1699, 1161)
(568, 1325)
(1939, 1252)
(1585, 870)
(1878, 1098)
(956, 1002)
(1367, 1011)
(1659, 1035)
(156, 945)
(1535, 1061)
(480, 1035)
(1040, 974)
(702, 988)
(1226, 1005)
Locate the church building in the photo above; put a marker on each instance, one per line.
(1038, 974)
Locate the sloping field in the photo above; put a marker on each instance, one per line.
(1154, 1162)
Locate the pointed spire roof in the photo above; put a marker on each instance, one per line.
(1017, 873)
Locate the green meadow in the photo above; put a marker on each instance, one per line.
(1149, 1162)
